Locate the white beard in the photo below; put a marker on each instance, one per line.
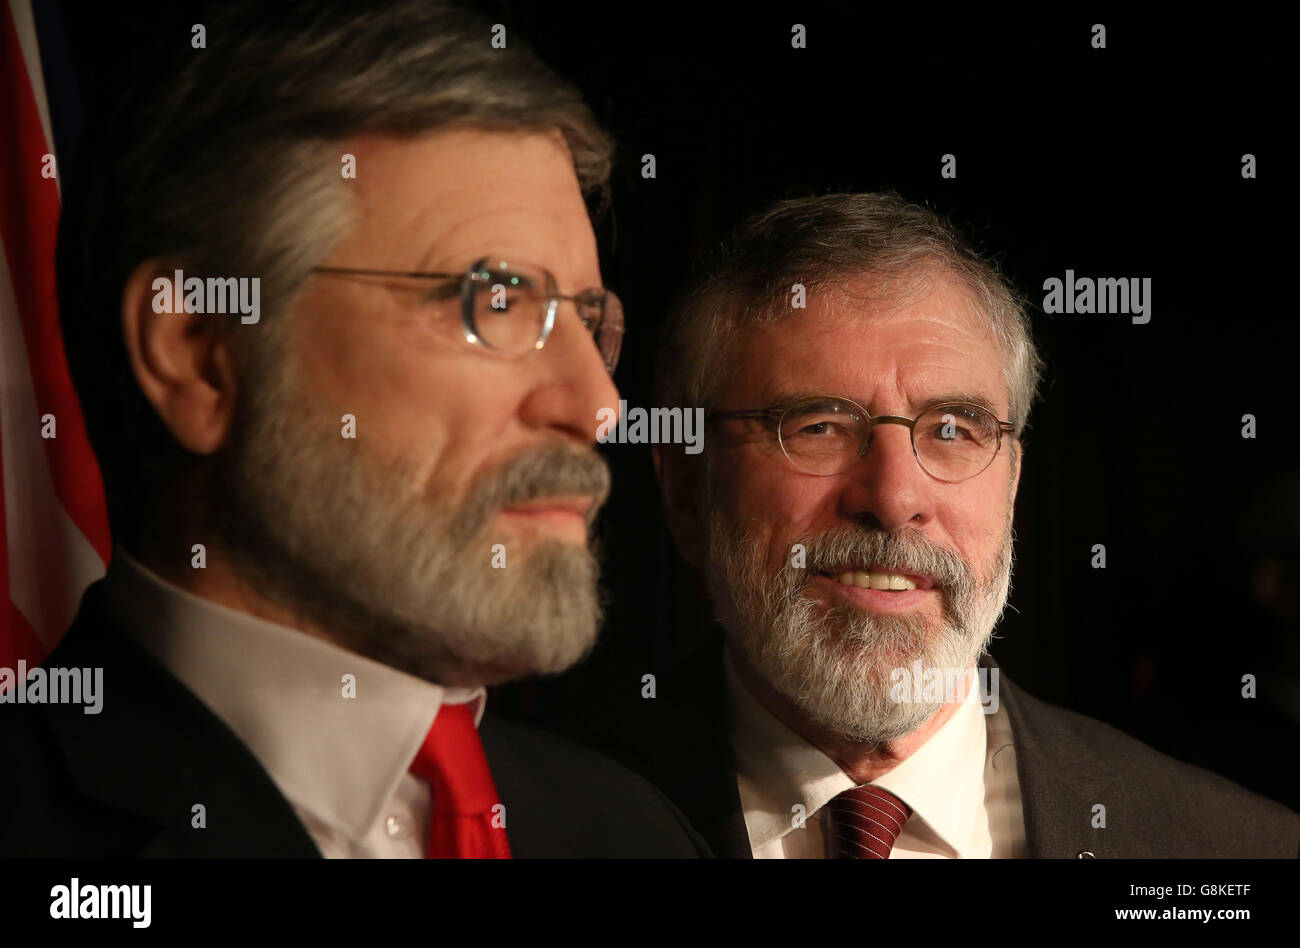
(355, 544)
(837, 664)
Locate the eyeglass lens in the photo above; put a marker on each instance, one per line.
(827, 436)
(508, 307)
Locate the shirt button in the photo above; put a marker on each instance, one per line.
(395, 827)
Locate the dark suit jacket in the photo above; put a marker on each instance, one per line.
(1067, 763)
(122, 783)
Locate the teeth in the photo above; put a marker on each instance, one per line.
(862, 580)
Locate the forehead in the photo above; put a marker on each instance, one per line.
(443, 199)
(891, 347)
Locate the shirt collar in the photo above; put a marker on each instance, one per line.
(281, 691)
(942, 781)
(781, 769)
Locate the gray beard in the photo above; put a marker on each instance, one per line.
(834, 663)
(348, 542)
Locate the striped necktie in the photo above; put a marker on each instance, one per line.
(864, 823)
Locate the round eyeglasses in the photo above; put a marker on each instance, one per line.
(825, 435)
(511, 307)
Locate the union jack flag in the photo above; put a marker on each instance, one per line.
(55, 538)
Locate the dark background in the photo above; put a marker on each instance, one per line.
(1122, 162)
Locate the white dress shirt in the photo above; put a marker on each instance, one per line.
(342, 762)
(961, 785)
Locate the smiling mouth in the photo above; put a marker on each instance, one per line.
(879, 579)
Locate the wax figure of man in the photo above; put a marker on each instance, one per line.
(346, 501)
(867, 378)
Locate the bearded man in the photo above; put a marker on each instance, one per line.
(336, 521)
(867, 377)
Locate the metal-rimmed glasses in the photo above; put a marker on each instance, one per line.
(827, 434)
(511, 307)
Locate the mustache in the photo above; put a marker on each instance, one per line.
(905, 551)
(554, 470)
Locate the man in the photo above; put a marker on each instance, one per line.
(355, 489)
(867, 378)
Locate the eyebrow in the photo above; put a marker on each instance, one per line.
(945, 398)
(970, 398)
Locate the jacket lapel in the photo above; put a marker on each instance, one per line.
(710, 794)
(1061, 780)
(156, 752)
(679, 742)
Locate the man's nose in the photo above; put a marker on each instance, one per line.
(575, 384)
(887, 486)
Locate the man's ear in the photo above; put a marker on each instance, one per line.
(181, 361)
(681, 480)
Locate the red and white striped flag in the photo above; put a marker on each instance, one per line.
(55, 539)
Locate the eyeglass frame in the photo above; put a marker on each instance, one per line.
(466, 277)
(872, 421)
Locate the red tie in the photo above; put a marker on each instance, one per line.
(452, 760)
(864, 823)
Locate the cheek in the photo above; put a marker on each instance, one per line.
(450, 416)
(778, 508)
(394, 396)
(976, 521)
(439, 410)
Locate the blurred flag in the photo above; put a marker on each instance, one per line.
(55, 538)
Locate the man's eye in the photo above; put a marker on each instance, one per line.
(503, 291)
(500, 297)
(508, 280)
(442, 292)
(823, 429)
(950, 431)
(948, 427)
(957, 425)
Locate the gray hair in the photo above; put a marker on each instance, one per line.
(231, 165)
(819, 242)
